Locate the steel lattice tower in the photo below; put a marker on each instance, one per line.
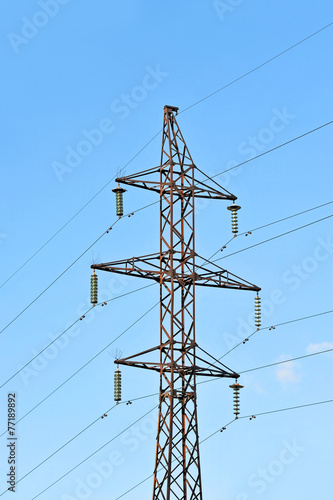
(177, 270)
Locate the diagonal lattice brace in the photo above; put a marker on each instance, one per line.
(178, 359)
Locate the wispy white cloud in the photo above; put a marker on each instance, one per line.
(319, 347)
(288, 373)
(258, 388)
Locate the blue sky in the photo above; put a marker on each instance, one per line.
(83, 92)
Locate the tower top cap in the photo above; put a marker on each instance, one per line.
(172, 108)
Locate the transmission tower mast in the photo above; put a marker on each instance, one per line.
(178, 270)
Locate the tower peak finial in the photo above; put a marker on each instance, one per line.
(171, 108)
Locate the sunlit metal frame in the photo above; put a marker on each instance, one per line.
(177, 464)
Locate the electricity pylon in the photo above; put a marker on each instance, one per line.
(178, 271)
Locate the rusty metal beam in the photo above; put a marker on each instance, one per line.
(203, 276)
(178, 182)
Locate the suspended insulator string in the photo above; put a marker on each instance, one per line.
(203, 382)
(276, 325)
(94, 289)
(234, 220)
(70, 326)
(202, 441)
(58, 277)
(49, 286)
(269, 224)
(119, 200)
(117, 385)
(270, 239)
(286, 218)
(267, 328)
(87, 363)
(158, 133)
(236, 388)
(156, 394)
(81, 209)
(219, 430)
(154, 203)
(257, 311)
(274, 237)
(119, 207)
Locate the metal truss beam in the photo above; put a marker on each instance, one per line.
(203, 275)
(178, 181)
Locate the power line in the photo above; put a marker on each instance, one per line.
(237, 345)
(86, 364)
(288, 217)
(151, 475)
(147, 413)
(79, 211)
(142, 208)
(269, 328)
(256, 68)
(94, 453)
(286, 361)
(287, 409)
(146, 206)
(269, 365)
(274, 149)
(156, 394)
(70, 326)
(223, 428)
(244, 371)
(274, 237)
(154, 137)
(133, 325)
(72, 264)
(199, 383)
(58, 277)
(81, 432)
(118, 337)
(269, 224)
(275, 325)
